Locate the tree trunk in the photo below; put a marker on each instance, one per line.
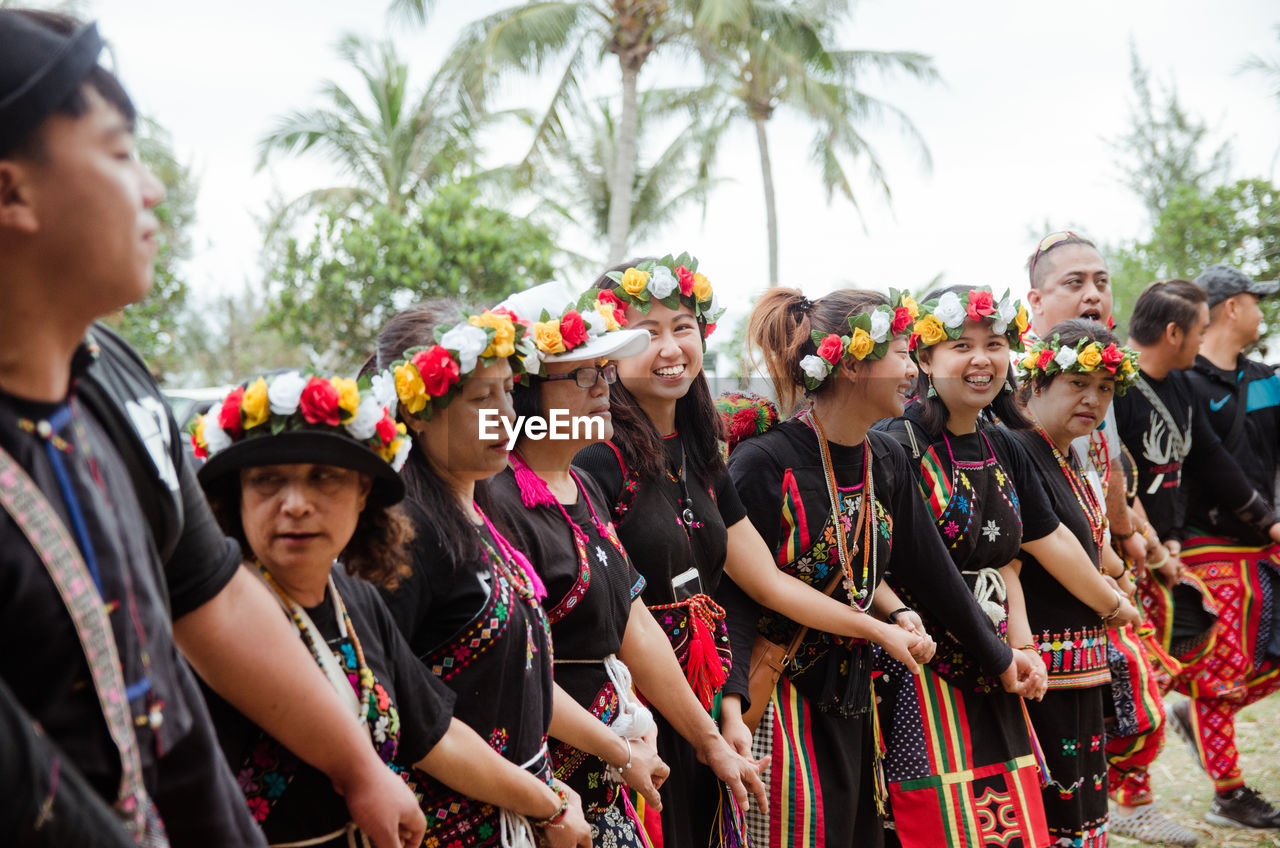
(622, 181)
(770, 203)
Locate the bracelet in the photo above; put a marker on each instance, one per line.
(1030, 646)
(1160, 562)
(1116, 611)
(555, 818)
(1121, 537)
(892, 617)
(628, 765)
(615, 773)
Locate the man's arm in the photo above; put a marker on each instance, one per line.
(242, 645)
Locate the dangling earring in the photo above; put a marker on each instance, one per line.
(1008, 385)
(932, 393)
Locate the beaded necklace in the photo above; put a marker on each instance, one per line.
(1100, 457)
(320, 649)
(860, 597)
(1083, 492)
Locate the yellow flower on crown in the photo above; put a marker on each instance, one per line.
(389, 452)
(861, 344)
(1090, 357)
(1022, 320)
(504, 337)
(606, 312)
(199, 434)
(547, 336)
(348, 394)
(633, 281)
(1127, 365)
(1028, 362)
(410, 388)
(701, 288)
(930, 330)
(909, 304)
(254, 406)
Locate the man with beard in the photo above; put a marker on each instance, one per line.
(1238, 562)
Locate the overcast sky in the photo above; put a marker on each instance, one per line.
(1017, 127)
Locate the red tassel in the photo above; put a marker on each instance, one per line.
(706, 674)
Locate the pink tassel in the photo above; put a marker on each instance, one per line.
(706, 674)
(533, 489)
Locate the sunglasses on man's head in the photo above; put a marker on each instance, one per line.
(1048, 243)
(587, 377)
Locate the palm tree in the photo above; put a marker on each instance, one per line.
(573, 178)
(780, 55)
(391, 146)
(574, 36)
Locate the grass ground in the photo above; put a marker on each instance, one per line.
(1183, 790)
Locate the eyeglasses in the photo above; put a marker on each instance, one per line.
(587, 377)
(1048, 243)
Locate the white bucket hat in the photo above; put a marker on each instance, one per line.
(567, 327)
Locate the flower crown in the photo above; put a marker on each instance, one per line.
(1048, 358)
(943, 317)
(745, 415)
(672, 281)
(596, 312)
(428, 376)
(870, 335)
(363, 410)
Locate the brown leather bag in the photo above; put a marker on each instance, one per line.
(768, 661)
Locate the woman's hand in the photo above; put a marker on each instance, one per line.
(646, 773)
(911, 622)
(739, 773)
(1127, 614)
(1038, 680)
(572, 831)
(1018, 677)
(732, 727)
(900, 643)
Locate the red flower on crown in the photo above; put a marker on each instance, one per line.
(619, 308)
(229, 415)
(981, 305)
(387, 429)
(831, 349)
(1046, 356)
(319, 402)
(711, 328)
(901, 320)
(573, 330)
(439, 370)
(685, 276)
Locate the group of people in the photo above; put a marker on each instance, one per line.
(931, 593)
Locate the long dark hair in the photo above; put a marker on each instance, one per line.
(697, 422)
(422, 483)
(781, 327)
(933, 413)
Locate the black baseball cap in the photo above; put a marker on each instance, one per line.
(39, 69)
(1223, 281)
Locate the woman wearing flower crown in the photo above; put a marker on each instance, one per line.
(679, 516)
(838, 508)
(302, 473)
(1070, 378)
(964, 770)
(470, 608)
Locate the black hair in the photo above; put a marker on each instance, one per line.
(1035, 262)
(74, 104)
(697, 422)
(781, 326)
(423, 485)
(1162, 303)
(933, 412)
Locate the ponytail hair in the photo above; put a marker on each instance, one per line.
(780, 333)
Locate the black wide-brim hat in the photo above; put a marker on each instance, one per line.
(296, 447)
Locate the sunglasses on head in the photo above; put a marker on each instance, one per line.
(588, 376)
(1047, 243)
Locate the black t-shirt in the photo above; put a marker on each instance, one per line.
(114, 468)
(411, 711)
(1255, 447)
(1160, 465)
(781, 481)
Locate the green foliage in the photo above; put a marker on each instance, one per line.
(158, 324)
(1237, 224)
(331, 295)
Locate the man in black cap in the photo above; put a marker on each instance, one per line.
(1240, 399)
(109, 557)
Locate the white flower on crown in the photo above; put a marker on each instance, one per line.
(384, 391)
(285, 392)
(949, 311)
(714, 308)
(402, 453)
(364, 424)
(215, 438)
(1066, 357)
(1005, 313)
(595, 322)
(815, 366)
(469, 342)
(880, 323)
(662, 282)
